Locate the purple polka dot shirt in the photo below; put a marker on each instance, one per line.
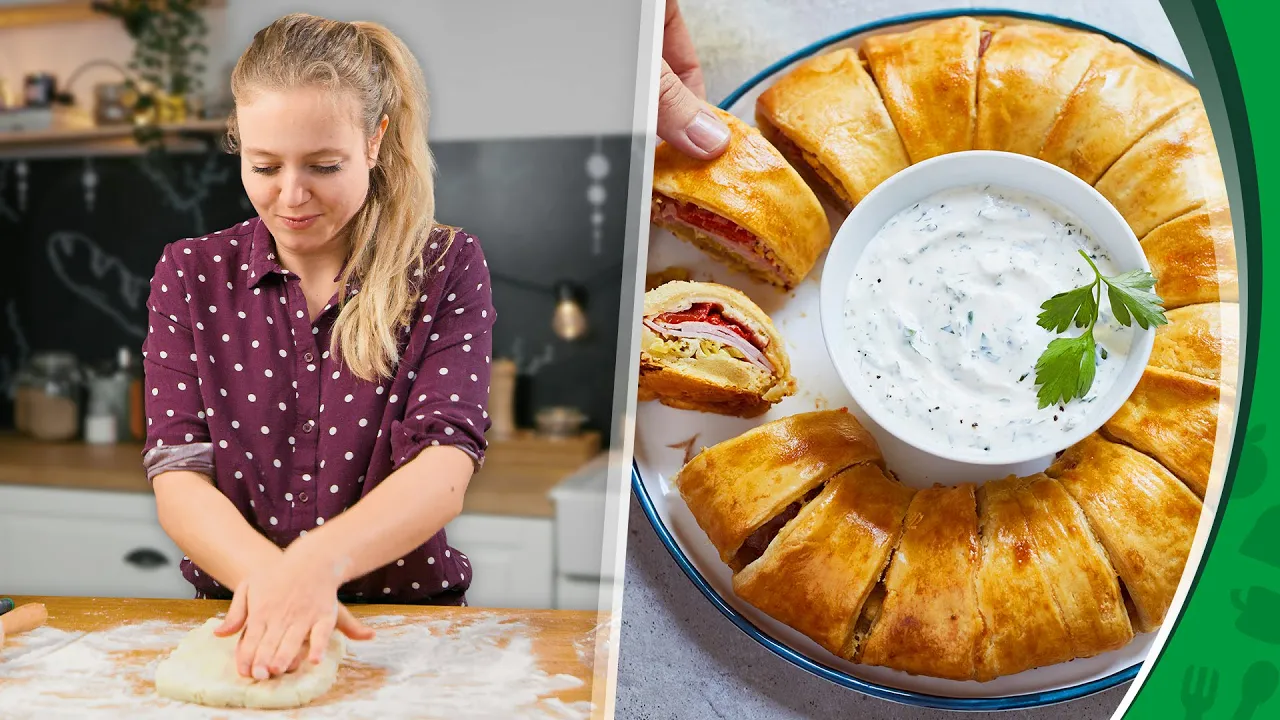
(241, 384)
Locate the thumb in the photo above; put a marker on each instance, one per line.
(236, 614)
(351, 627)
(687, 122)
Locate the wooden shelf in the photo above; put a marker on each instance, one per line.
(60, 11)
(516, 479)
(77, 140)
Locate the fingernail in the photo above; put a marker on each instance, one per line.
(707, 132)
(260, 673)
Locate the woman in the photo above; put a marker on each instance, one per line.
(317, 376)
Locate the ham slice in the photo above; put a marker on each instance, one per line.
(731, 236)
(725, 335)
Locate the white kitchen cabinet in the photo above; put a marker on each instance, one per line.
(512, 559)
(86, 542)
(579, 547)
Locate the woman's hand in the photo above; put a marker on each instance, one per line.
(288, 609)
(684, 118)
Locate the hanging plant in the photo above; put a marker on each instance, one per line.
(169, 43)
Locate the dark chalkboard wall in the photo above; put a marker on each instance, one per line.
(79, 239)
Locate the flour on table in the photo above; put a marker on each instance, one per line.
(202, 670)
(483, 668)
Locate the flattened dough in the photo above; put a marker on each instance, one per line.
(202, 670)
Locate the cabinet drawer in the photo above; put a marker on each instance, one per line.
(79, 542)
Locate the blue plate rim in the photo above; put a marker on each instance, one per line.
(1011, 702)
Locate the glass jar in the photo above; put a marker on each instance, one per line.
(48, 390)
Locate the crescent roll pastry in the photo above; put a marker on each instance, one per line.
(1193, 258)
(928, 77)
(747, 208)
(1142, 514)
(1025, 77)
(744, 489)
(708, 347)
(1024, 628)
(1084, 584)
(1119, 99)
(1173, 417)
(1201, 340)
(1172, 169)
(816, 575)
(928, 622)
(827, 119)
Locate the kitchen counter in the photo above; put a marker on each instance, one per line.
(679, 657)
(516, 479)
(97, 657)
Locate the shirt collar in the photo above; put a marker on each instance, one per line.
(262, 255)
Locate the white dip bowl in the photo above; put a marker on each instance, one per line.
(888, 406)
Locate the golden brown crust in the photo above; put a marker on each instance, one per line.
(830, 109)
(718, 383)
(818, 571)
(1172, 170)
(1024, 79)
(1193, 258)
(1084, 584)
(735, 487)
(1174, 417)
(1144, 517)
(1023, 627)
(1119, 99)
(928, 77)
(753, 186)
(929, 622)
(1201, 340)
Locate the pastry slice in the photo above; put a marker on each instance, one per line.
(1174, 417)
(743, 490)
(928, 77)
(1142, 514)
(1023, 626)
(817, 574)
(1201, 340)
(1173, 169)
(1119, 99)
(707, 347)
(1025, 77)
(928, 622)
(827, 118)
(1084, 583)
(1193, 258)
(747, 208)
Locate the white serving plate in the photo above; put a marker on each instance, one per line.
(664, 436)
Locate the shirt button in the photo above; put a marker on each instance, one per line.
(308, 426)
(302, 497)
(308, 357)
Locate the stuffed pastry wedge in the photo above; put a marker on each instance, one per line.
(743, 490)
(747, 208)
(1143, 516)
(1193, 258)
(827, 118)
(708, 347)
(1201, 340)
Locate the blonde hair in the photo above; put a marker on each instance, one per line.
(389, 233)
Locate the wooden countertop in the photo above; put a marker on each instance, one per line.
(516, 479)
(134, 634)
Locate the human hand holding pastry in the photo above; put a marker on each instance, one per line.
(684, 118)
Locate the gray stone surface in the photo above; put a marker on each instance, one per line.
(679, 657)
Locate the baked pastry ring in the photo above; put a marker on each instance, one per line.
(1193, 258)
(1201, 340)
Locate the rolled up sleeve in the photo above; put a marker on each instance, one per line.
(448, 402)
(177, 431)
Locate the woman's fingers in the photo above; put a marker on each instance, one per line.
(319, 640)
(302, 655)
(686, 121)
(247, 648)
(291, 641)
(272, 633)
(351, 627)
(236, 614)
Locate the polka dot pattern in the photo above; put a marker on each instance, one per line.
(222, 309)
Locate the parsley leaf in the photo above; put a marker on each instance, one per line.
(1079, 305)
(1066, 369)
(1130, 294)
